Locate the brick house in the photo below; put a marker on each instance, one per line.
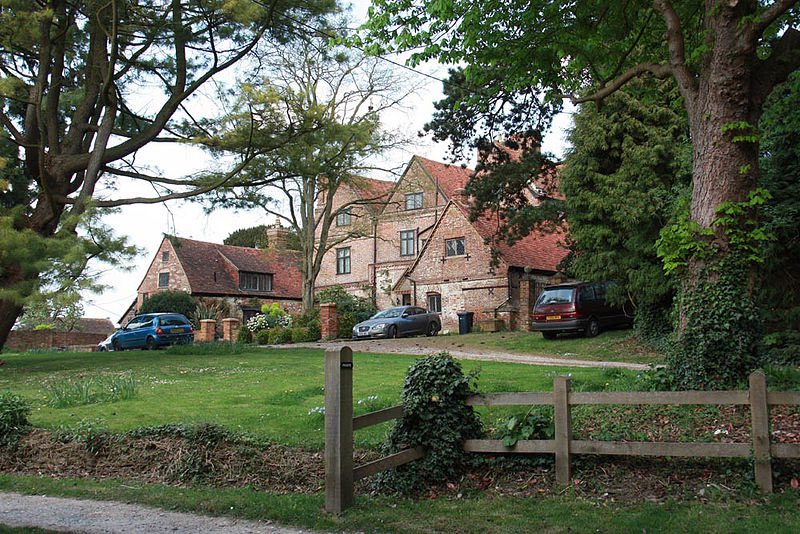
(244, 278)
(413, 255)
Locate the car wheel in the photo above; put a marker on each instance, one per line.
(116, 345)
(593, 328)
(150, 344)
(432, 330)
(393, 332)
(549, 335)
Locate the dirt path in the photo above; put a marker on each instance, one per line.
(101, 517)
(422, 346)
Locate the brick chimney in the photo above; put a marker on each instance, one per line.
(277, 237)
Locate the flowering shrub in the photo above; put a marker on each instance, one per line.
(270, 317)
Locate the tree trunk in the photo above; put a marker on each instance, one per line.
(8, 316)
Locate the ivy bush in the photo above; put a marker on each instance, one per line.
(435, 417)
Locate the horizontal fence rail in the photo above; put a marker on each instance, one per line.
(563, 446)
(340, 474)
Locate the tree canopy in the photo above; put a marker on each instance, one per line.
(73, 74)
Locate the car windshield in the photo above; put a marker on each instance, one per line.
(391, 313)
(555, 296)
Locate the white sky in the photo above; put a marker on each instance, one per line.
(144, 225)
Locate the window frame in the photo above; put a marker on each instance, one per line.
(456, 253)
(417, 201)
(408, 238)
(165, 277)
(344, 218)
(343, 260)
(164, 256)
(437, 299)
(258, 286)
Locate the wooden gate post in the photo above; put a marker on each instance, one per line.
(338, 429)
(563, 428)
(759, 418)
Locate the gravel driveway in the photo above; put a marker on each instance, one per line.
(100, 517)
(421, 346)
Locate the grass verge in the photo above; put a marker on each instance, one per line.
(471, 513)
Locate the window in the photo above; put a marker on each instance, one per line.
(255, 281)
(434, 303)
(406, 299)
(163, 280)
(343, 260)
(343, 218)
(407, 242)
(165, 255)
(455, 247)
(413, 201)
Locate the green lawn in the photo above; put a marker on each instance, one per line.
(267, 393)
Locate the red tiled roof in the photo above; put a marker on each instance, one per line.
(212, 269)
(376, 192)
(537, 250)
(448, 177)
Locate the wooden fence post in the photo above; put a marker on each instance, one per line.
(338, 429)
(563, 428)
(759, 418)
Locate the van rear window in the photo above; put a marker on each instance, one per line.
(555, 296)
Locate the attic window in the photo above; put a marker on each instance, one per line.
(413, 201)
(343, 218)
(455, 247)
(165, 255)
(163, 280)
(255, 281)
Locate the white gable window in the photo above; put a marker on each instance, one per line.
(255, 281)
(413, 201)
(163, 280)
(455, 247)
(343, 218)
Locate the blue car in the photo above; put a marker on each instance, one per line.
(153, 330)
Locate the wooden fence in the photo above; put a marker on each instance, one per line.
(340, 474)
(339, 425)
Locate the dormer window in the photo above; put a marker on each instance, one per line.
(255, 281)
(343, 218)
(413, 201)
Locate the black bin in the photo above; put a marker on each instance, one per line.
(465, 322)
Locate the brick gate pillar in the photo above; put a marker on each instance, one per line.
(230, 329)
(206, 332)
(328, 320)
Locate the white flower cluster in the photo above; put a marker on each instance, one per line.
(264, 322)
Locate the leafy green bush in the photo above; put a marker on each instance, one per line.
(534, 424)
(310, 320)
(782, 348)
(14, 411)
(262, 337)
(280, 335)
(170, 301)
(350, 309)
(436, 418)
(300, 334)
(244, 335)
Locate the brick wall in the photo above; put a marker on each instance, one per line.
(22, 340)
